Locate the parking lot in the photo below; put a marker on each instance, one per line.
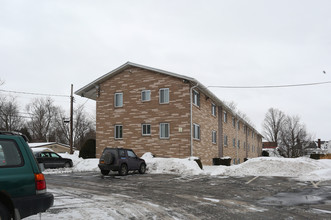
(152, 196)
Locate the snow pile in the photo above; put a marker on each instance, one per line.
(302, 168)
(171, 165)
(79, 164)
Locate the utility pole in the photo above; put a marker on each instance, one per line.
(71, 120)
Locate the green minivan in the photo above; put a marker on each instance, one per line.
(22, 185)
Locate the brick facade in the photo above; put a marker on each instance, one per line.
(136, 112)
(130, 80)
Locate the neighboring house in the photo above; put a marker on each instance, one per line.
(269, 145)
(167, 114)
(56, 147)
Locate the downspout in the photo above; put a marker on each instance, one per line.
(191, 113)
(237, 141)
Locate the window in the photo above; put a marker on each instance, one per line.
(164, 130)
(10, 156)
(238, 161)
(196, 98)
(225, 115)
(131, 154)
(234, 161)
(234, 122)
(146, 129)
(213, 137)
(196, 131)
(238, 144)
(213, 109)
(234, 142)
(118, 131)
(146, 95)
(238, 125)
(119, 99)
(225, 140)
(164, 95)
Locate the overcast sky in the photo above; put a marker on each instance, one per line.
(47, 45)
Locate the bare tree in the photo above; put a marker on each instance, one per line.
(233, 106)
(42, 113)
(10, 119)
(294, 137)
(83, 127)
(272, 125)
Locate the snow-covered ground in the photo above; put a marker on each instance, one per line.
(304, 169)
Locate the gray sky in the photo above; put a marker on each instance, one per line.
(47, 45)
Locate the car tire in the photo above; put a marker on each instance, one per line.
(4, 212)
(67, 165)
(123, 170)
(105, 172)
(108, 158)
(142, 168)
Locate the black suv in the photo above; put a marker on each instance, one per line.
(121, 160)
(22, 185)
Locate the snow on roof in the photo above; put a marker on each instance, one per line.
(32, 145)
(40, 149)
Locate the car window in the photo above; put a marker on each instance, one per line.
(9, 154)
(131, 154)
(54, 155)
(44, 155)
(121, 153)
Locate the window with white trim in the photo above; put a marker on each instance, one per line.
(225, 140)
(146, 95)
(196, 131)
(213, 109)
(164, 95)
(118, 132)
(146, 129)
(164, 130)
(213, 137)
(196, 98)
(225, 117)
(118, 99)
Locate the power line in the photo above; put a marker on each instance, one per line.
(32, 93)
(270, 86)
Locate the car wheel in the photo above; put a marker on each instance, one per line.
(67, 165)
(105, 172)
(123, 170)
(142, 168)
(4, 212)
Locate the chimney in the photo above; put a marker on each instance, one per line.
(319, 143)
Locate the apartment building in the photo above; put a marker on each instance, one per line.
(167, 114)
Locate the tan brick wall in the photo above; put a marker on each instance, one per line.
(204, 148)
(134, 113)
(245, 139)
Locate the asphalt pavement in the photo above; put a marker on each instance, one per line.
(163, 196)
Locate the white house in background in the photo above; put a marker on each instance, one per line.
(54, 146)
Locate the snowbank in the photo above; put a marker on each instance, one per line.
(304, 169)
(301, 168)
(171, 165)
(79, 164)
